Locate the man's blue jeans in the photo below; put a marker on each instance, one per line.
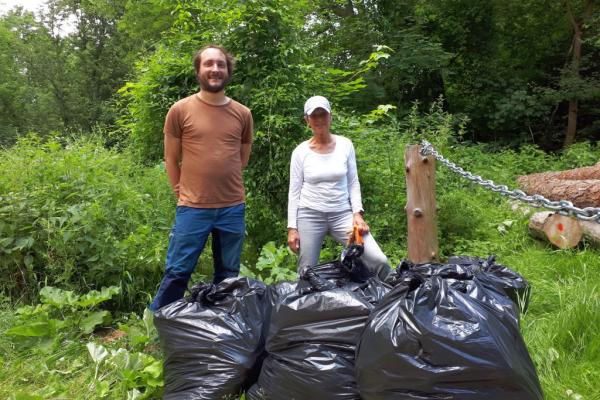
(187, 240)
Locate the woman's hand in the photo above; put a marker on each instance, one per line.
(293, 240)
(363, 228)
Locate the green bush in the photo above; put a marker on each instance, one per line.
(81, 217)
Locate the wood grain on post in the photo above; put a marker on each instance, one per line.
(420, 206)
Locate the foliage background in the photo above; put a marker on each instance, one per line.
(85, 204)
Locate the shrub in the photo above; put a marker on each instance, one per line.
(81, 217)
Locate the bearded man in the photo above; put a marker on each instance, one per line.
(208, 139)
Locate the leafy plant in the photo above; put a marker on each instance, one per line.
(123, 373)
(274, 264)
(59, 330)
(62, 314)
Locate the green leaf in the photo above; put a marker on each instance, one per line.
(92, 320)
(95, 297)
(154, 369)
(33, 329)
(57, 297)
(97, 351)
(245, 271)
(155, 382)
(120, 359)
(22, 243)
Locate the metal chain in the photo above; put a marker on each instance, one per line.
(563, 207)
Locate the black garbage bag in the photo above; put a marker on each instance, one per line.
(357, 270)
(496, 296)
(512, 283)
(278, 290)
(444, 335)
(312, 336)
(486, 271)
(255, 393)
(213, 342)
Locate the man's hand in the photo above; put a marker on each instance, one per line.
(293, 240)
(176, 191)
(363, 228)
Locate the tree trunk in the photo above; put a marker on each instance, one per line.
(575, 64)
(573, 103)
(580, 186)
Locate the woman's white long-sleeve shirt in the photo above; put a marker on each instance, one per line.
(323, 182)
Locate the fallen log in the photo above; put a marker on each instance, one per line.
(562, 231)
(581, 186)
(592, 172)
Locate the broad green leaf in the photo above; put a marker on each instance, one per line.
(33, 329)
(95, 297)
(386, 107)
(128, 364)
(120, 358)
(97, 351)
(57, 297)
(102, 388)
(92, 320)
(154, 369)
(67, 235)
(155, 382)
(22, 243)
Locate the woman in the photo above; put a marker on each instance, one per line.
(324, 195)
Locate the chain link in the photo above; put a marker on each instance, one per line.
(563, 207)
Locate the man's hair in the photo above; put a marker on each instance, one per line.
(228, 57)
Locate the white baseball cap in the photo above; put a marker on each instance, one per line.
(316, 102)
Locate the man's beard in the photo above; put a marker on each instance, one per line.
(205, 85)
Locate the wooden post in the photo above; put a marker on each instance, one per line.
(420, 206)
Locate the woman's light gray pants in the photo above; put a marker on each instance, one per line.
(314, 225)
